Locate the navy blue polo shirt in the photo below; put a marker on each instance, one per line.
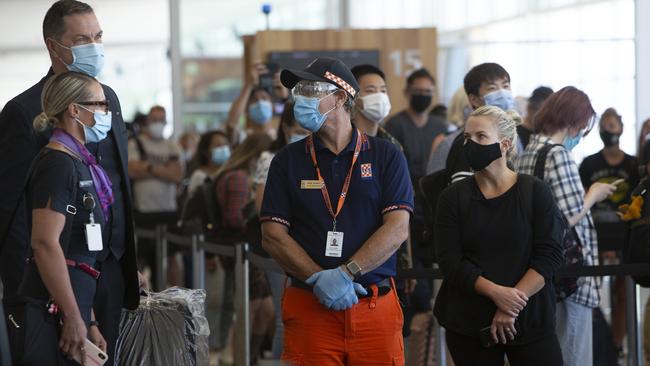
(380, 183)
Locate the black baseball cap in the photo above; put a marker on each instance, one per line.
(325, 69)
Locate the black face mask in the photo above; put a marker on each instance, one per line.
(609, 139)
(480, 156)
(420, 103)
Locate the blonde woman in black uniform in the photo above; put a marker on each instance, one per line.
(68, 202)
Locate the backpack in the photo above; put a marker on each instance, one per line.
(637, 240)
(432, 185)
(571, 245)
(201, 213)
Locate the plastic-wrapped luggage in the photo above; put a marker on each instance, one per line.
(168, 328)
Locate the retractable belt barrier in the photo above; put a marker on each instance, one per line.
(637, 269)
(267, 264)
(243, 257)
(145, 234)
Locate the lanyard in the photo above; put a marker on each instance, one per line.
(346, 186)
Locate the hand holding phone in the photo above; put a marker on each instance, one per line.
(94, 355)
(485, 336)
(267, 75)
(506, 330)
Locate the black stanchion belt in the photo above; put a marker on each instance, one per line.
(637, 269)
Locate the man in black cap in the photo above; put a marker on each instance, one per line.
(336, 208)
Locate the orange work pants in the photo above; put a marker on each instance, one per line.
(368, 333)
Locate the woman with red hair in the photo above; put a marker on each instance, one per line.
(563, 120)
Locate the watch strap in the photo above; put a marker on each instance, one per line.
(354, 269)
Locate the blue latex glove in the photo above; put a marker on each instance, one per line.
(350, 298)
(330, 285)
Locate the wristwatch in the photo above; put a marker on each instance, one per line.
(354, 269)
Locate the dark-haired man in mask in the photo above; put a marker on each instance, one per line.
(415, 128)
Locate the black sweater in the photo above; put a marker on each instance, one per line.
(496, 238)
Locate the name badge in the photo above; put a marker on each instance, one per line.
(85, 183)
(94, 237)
(311, 184)
(334, 245)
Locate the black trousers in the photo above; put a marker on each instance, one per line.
(468, 351)
(109, 298)
(89, 293)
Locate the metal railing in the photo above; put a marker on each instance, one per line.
(633, 307)
(198, 247)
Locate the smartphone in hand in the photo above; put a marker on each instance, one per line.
(486, 337)
(94, 355)
(618, 181)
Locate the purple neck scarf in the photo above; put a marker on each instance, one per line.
(101, 181)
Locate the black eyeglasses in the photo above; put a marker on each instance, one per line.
(102, 104)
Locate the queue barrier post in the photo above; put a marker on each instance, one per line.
(440, 344)
(198, 263)
(242, 336)
(634, 352)
(161, 257)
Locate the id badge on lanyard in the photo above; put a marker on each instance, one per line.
(334, 241)
(334, 245)
(93, 229)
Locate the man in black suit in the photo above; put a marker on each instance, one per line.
(74, 41)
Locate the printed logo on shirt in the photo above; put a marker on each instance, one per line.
(366, 171)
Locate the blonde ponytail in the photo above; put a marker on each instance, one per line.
(42, 122)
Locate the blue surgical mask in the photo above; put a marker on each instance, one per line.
(295, 137)
(86, 58)
(306, 112)
(261, 112)
(220, 154)
(501, 98)
(100, 129)
(571, 142)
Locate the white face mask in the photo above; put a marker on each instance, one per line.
(376, 106)
(156, 129)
